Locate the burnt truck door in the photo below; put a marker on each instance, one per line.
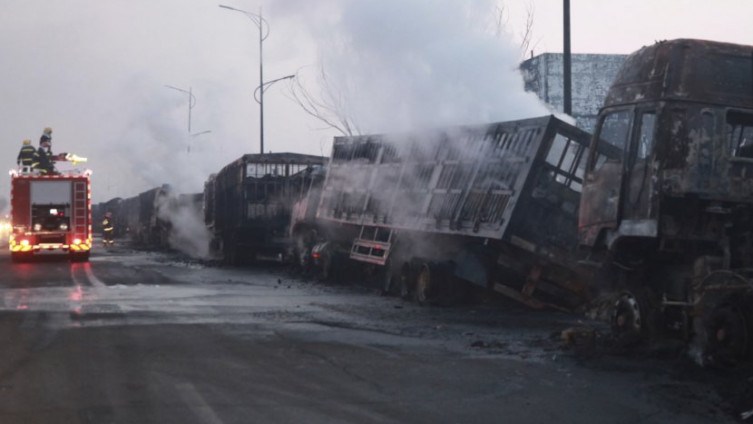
(603, 183)
(635, 209)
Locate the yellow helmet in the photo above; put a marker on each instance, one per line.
(47, 130)
(27, 141)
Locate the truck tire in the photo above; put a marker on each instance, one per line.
(633, 317)
(728, 331)
(406, 281)
(428, 283)
(402, 283)
(327, 266)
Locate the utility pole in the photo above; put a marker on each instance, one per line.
(566, 62)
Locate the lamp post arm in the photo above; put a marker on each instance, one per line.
(191, 101)
(256, 18)
(268, 84)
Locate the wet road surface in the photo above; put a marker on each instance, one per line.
(138, 337)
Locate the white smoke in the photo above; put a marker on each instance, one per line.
(418, 63)
(185, 225)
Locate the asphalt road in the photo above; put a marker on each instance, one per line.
(138, 337)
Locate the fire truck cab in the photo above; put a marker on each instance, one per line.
(50, 213)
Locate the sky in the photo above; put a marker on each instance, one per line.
(96, 71)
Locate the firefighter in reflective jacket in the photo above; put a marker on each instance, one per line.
(26, 154)
(107, 229)
(43, 159)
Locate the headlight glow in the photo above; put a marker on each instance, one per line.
(63, 227)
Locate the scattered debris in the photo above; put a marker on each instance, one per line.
(579, 337)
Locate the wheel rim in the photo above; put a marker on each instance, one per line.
(626, 318)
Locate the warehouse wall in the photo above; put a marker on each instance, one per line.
(592, 74)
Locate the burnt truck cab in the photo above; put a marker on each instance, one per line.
(677, 176)
(667, 203)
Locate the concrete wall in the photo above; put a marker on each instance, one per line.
(592, 74)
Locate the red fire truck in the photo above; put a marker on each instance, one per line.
(50, 213)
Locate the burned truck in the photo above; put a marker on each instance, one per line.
(248, 204)
(493, 205)
(671, 208)
(139, 216)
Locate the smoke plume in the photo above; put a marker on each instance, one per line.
(401, 65)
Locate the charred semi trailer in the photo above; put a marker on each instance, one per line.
(248, 204)
(149, 217)
(493, 205)
(144, 217)
(672, 209)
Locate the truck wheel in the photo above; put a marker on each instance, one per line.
(406, 281)
(401, 283)
(631, 319)
(427, 284)
(327, 268)
(728, 333)
(302, 253)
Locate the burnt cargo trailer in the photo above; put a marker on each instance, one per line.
(140, 216)
(248, 204)
(495, 205)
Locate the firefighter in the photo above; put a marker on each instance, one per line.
(46, 135)
(26, 155)
(107, 229)
(43, 157)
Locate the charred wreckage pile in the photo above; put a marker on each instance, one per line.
(654, 211)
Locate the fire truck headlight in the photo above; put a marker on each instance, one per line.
(37, 227)
(63, 227)
(24, 242)
(77, 241)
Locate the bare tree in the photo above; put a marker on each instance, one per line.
(526, 35)
(502, 19)
(330, 106)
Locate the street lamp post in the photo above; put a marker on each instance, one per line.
(263, 34)
(191, 102)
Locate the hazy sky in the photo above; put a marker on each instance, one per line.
(95, 71)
